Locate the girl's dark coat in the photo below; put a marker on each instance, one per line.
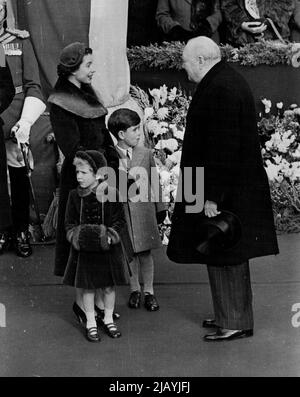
(91, 270)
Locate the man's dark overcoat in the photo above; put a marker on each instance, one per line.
(221, 136)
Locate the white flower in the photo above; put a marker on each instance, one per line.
(172, 95)
(155, 93)
(279, 105)
(288, 113)
(163, 94)
(179, 134)
(297, 111)
(148, 112)
(293, 106)
(165, 177)
(171, 144)
(268, 104)
(272, 170)
(175, 157)
(162, 113)
(153, 127)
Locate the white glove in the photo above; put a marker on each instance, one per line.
(21, 131)
(32, 109)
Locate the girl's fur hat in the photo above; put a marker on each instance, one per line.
(95, 159)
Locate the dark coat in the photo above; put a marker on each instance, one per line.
(234, 13)
(78, 124)
(86, 269)
(221, 136)
(141, 216)
(7, 93)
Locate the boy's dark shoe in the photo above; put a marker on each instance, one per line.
(151, 303)
(135, 300)
(22, 245)
(5, 242)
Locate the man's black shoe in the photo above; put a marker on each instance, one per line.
(222, 335)
(210, 323)
(22, 245)
(135, 300)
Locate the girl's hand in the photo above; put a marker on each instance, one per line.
(254, 27)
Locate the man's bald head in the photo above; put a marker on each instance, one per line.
(199, 56)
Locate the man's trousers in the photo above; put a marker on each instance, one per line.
(232, 296)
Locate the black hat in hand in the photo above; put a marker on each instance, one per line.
(217, 234)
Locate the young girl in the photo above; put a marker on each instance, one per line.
(96, 257)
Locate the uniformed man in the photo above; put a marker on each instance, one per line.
(25, 109)
(7, 93)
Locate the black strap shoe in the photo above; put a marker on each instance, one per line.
(92, 334)
(151, 303)
(231, 334)
(22, 245)
(100, 313)
(135, 300)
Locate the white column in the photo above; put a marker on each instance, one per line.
(107, 35)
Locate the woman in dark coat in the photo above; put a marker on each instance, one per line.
(78, 121)
(7, 92)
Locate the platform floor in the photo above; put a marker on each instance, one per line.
(41, 337)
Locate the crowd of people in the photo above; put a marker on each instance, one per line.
(236, 22)
(104, 238)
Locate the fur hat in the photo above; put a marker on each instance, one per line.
(72, 55)
(95, 159)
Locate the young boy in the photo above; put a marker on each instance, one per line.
(141, 216)
(93, 227)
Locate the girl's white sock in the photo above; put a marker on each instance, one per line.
(91, 321)
(108, 316)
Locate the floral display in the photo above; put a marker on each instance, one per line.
(279, 131)
(169, 55)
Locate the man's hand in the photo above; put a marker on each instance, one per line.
(21, 131)
(211, 209)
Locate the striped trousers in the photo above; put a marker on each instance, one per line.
(231, 295)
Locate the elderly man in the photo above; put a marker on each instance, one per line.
(221, 136)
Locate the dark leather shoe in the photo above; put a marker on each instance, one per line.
(135, 300)
(222, 335)
(92, 334)
(210, 323)
(5, 240)
(150, 303)
(22, 245)
(112, 330)
(79, 313)
(100, 314)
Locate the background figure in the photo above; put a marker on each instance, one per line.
(184, 19)
(242, 22)
(221, 136)
(20, 116)
(7, 92)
